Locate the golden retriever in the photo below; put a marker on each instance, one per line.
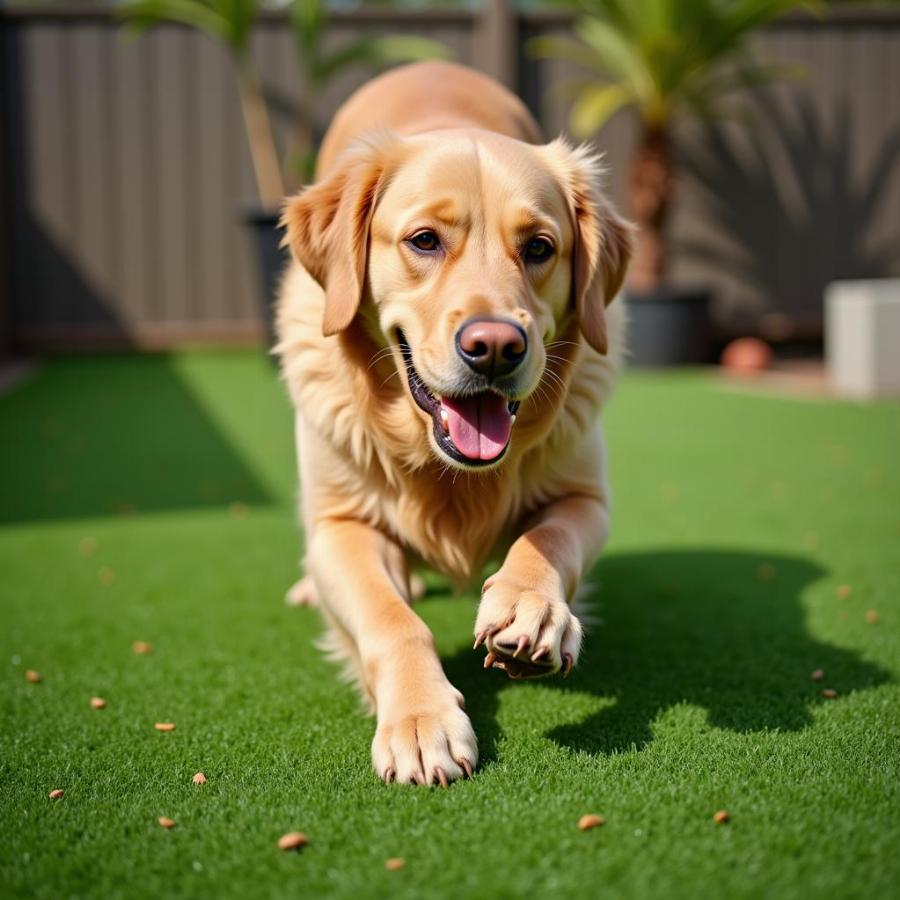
(445, 338)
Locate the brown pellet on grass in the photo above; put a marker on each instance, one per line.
(293, 840)
(871, 617)
(33, 677)
(142, 648)
(166, 822)
(164, 726)
(56, 795)
(199, 778)
(720, 817)
(844, 591)
(817, 675)
(394, 863)
(98, 703)
(829, 693)
(589, 821)
(87, 546)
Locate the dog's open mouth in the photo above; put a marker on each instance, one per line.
(473, 430)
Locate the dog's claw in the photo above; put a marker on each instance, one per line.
(542, 651)
(479, 639)
(489, 660)
(466, 766)
(442, 777)
(568, 663)
(523, 643)
(388, 776)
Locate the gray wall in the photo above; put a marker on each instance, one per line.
(127, 168)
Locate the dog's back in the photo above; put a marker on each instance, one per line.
(424, 97)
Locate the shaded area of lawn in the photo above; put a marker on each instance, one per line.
(721, 631)
(114, 435)
(736, 521)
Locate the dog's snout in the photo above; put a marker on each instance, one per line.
(491, 347)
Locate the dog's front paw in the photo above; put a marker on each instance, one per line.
(528, 633)
(430, 742)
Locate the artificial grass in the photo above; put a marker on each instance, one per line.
(693, 694)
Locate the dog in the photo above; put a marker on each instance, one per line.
(446, 338)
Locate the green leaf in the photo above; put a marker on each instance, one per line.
(567, 90)
(227, 20)
(308, 20)
(595, 106)
(553, 47)
(666, 55)
(381, 51)
(620, 57)
(408, 48)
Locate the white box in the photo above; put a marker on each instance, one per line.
(862, 337)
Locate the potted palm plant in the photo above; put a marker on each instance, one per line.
(232, 22)
(666, 60)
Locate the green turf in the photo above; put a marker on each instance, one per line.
(693, 693)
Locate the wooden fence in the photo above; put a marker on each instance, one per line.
(126, 171)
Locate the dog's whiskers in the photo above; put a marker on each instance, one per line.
(381, 354)
(555, 384)
(386, 380)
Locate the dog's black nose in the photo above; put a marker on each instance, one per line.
(492, 347)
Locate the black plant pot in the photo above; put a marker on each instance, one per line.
(271, 257)
(668, 327)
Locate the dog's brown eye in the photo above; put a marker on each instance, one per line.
(426, 241)
(538, 249)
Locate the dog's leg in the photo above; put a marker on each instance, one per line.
(302, 593)
(524, 616)
(417, 587)
(422, 736)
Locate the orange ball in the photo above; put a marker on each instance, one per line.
(747, 355)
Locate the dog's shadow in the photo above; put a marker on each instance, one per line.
(722, 631)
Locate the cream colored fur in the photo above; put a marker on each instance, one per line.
(377, 496)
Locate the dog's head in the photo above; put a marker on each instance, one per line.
(467, 252)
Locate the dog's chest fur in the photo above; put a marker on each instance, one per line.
(378, 465)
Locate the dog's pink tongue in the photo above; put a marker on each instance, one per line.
(480, 425)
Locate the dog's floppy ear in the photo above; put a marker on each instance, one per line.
(327, 229)
(602, 240)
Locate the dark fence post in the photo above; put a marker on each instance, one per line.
(496, 42)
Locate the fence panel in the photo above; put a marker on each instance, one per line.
(127, 169)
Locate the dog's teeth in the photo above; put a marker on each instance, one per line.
(514, 418)
(445, 420)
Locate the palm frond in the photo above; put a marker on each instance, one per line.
(308, 19)
(230, 21)
(667, 55)
(618, 55)
(595, 105)
(558, 47)
(380, 51)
